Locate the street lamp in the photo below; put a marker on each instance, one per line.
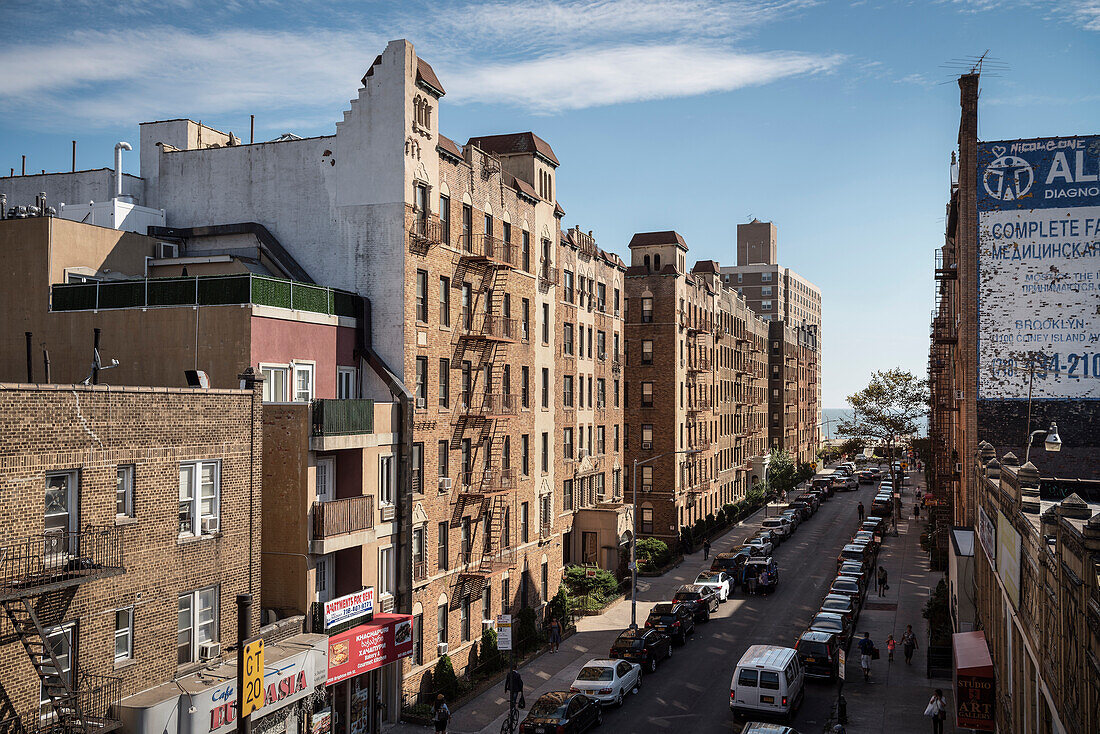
(634, 534)
(1052, 442)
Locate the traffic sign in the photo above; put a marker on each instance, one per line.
(504, 631)
(253, 680)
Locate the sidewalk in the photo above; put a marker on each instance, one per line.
(896, 697)
(554, 671)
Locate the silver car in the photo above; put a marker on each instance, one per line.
(608, 681)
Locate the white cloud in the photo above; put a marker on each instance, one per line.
(589, 78)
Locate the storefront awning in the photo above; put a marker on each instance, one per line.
(388, 637)
(975, 686)
(205, 702)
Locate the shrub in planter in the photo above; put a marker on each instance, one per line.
(490, 655)
(560, 607)
(444, 678)
(687, 538)
(602, 583)
(652, 554)
(712, 522)
(527, 630)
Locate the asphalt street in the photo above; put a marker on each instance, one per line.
(691, 690)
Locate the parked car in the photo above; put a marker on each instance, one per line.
(883, 506)
(719, 581)
(756, 566)
(874, 524)
(701, 599)
(760, 727)
(847, 482)
(794, 516)
(866, 536)
(562, 712)
(763, 546)
(876, 471)
(673, 619)
(779, 527)
(769, 680)
(805, 506)
(849, 587)
(608, 681)
(731, 564)
(857, 571)
(841, 604)
(819, 653)
(644, 646)
(858, 553)
(833, 624)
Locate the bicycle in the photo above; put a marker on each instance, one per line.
(512, 720)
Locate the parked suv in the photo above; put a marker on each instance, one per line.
(731, 563)
(703, 600)
(780, 528)
(819, 653)
(675, 619)
(643, 646)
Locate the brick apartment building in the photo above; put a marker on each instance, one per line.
(777, 293)
(694, 399)
(328, 458)
(136, 525)
(1031, 515)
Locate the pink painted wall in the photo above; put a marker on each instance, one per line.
(278, 341)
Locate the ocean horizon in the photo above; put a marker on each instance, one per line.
(831, 417)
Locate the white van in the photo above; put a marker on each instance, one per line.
(768, 680)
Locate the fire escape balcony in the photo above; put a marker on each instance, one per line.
(488, 249)
(944, 330)
(489, 327)
(946, 268)
(425, 232)
(489, 405)
(488, 481)
(698, 362)
(341, 523)
(41, 563)
(548, 275)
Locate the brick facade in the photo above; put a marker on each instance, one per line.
(91, 432)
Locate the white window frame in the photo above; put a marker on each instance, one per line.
(385, 570)
(125, 472)
(68, 631)
(195, 495)
(324, 578)
(269, 385)
(303, 368)
(192, 600)
(125, 633)
(324, 478)
(386, 479)
(347, 383)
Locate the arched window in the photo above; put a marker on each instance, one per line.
(647, 262)
(657, 263)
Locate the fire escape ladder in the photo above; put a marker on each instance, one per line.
(63, 700)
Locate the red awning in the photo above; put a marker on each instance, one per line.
(975, 686)
(972, 654)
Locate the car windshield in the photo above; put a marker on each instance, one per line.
(628, 643)
(595, 673)
(687, 596)
(847, 584)
(549, 707)
(807, 647)
(836, 606)
(706, 577)
(827, 623)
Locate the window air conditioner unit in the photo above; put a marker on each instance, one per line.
(444, 484)
(958, 468)
(488, 624)
(441, 649)
(421, 403)
(209, 525)
(958, 394)
(210, 650)
(647, 445)
(167, 249)
(387, 603)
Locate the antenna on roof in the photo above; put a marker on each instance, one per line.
(982, 64)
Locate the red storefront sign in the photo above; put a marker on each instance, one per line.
(975, 687)
(388, 637)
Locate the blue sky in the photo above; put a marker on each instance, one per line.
(836, 120)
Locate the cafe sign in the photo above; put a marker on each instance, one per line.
(349, 607)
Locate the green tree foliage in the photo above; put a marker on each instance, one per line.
(781, 474)
(652, 554)
(490, 659)
(888, 408)
(527, 631)
(560, 606)
(601, 583)
(444, 678)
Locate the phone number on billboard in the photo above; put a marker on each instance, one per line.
(1073, 365)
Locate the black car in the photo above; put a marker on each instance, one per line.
(819, 653)
(702, 599)
(562, 712)
(804, 508)
(643, 646)
(731, 563)
(673, 619)
(833, 624)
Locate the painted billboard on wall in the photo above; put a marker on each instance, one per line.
(1039, 268)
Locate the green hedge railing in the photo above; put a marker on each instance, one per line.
(203, 290)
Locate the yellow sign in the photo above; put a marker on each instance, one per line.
(252, 683)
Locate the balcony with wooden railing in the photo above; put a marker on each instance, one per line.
(489, 249)
(337, 523)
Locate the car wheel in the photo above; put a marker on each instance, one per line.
(619, 700)
(638, 685)
(652, 665)
(669, 649)
(599, 716)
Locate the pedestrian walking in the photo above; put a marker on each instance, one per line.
(860, 510)
(937, 711)
(909, 643)
(555, 634)
(440, 713)
(763, 582)
(866, 650)
(891, 643)
(916, 510)
(750, 581)
(882, 578)
(706, 549)
(513, 684)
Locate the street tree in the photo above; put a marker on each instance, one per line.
(782, 474)
(887, 410)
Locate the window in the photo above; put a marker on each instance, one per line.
(545, 387)
(545, 452)
(524, 509)
(303, 383)
(418, 638)
(567, 494)
(567, 285)
(417, 466)
(124, 491)
(506, 454)
(444, 301)
(567, 391)
(445, 217)
(765, 277)
(615, 445)
(507, 232)
(601, 345)
(385, 570)
(525, 454)
(647, 394)
(601, 297)
(524, 388)
(347, 383)
(489, 224)
(647, 519)
(199, 497)
(464, 618)
(567, 338)
(275, 380)
(324, 479)
(124, 634)
(526, 252)
(647, 351)
(467, 310)
(441, 622)
(442, 550)
(766, 290)
(444, 383)
(546, 323)
(545, 580)
(616, 307)
(525, 320)
(615, 384)
(385, 480)
(647, 434)
(647, 478)
(766, 305)
(580, 341)
(505, 593)
(599, 441)
(647, 310)
(601, 391)
(567, 443)
(422, 295)
(196, 622)
(323, 578)
(421, 382)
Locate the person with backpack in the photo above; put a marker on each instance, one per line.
(866, 649)
(440, 713)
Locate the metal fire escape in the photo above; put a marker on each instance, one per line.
(39, 574)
